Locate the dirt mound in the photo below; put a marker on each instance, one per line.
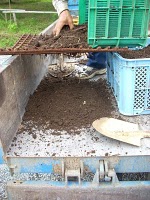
(68, 104)
(143, 53)
(75, 38)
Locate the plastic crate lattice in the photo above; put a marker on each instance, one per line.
(130, 83)
(115, 22)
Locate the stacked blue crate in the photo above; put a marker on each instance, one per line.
(73, 6)
(130, 83)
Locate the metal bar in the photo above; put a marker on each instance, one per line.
(24, 11)
(25, 41)
(18, 42)
(57, 51)
(122, 164)
(22, 48)
(1, 154)
(14, 17)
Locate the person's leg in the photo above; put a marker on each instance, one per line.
(96, 65)
(97, 60)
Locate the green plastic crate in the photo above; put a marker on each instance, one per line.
(83, 11)
(118, 22)
(84, 4)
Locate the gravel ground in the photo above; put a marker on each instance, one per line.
(88, 176)
(5, 176)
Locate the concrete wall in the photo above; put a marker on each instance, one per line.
(19, 79)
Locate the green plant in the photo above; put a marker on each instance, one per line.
(26, 23)
(13, 27)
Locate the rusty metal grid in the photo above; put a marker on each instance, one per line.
(22, 47)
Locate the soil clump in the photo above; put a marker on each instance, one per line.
(68, 104)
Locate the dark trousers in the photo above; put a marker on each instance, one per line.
(97, 60)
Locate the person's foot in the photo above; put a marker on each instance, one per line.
(90, 72)
(56, 71)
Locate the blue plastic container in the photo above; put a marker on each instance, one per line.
(73, 6)
(73, 2)
(130, 83)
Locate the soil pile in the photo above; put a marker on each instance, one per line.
(75, 38)
(143, 53)
(68, 104)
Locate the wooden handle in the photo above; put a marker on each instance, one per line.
(146, 134)
(141, 134)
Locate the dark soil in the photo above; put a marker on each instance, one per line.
(68, 104)
(75, 38)
(143, 53)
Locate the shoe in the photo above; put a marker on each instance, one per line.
(56, 71)
(90, 72)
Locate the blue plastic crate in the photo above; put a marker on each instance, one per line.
(73, 6)
(130, 83)
(73, 2)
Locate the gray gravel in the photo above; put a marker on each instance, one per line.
(88, 176)
(5, 176)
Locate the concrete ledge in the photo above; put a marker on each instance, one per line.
(40, 191)
(19, 77)
(18, 81)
